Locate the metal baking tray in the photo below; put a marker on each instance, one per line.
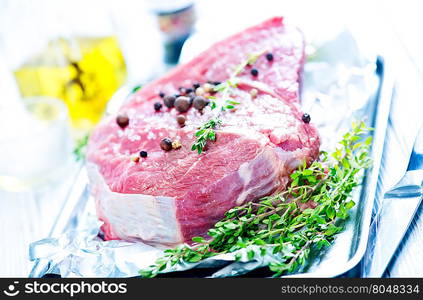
(351, 243)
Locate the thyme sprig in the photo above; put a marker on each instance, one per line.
(206, 132)
(80, 147)
(289, 224)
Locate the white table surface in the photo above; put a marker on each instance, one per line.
(28, 216)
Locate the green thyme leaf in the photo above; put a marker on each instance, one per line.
(136, 88)
(80, 148)
(223, 103)
(205, 133)
(276, 223)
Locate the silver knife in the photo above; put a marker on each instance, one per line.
(399, 207)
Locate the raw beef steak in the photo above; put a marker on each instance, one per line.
(167, 197)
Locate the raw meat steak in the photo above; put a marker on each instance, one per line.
(168, 197)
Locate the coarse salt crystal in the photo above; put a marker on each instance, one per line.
(151, 135)
(133, 138)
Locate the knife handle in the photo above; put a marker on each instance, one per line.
(406, 191)
(410, 185)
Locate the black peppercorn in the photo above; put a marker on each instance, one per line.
(199, 102)
(182, 91)
(196, 86)
(216, 82)
(122, 121)
(166, 144)
(269, 56)
(254, 72)
(306, 118)
(169, 101)
(143, 154)
(161, 94)
(188, 90)
(157, 106)
(182, 104)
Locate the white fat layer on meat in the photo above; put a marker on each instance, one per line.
(245, 172)
(291, 158)
(136, 216)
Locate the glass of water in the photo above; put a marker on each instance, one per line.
(35, 142)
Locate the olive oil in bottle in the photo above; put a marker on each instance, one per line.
(84, 72)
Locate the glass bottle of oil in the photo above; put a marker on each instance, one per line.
(67, 50)
(82, 71)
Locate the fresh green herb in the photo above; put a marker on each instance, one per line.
(80, 148)
(136, 88)
(252, 58)
(306, 216)
(204, 134)
(222, 103)
(225, 87)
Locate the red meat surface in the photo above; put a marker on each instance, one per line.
(170, 196)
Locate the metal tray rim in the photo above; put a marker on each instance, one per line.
(384, 94)
(381, 122)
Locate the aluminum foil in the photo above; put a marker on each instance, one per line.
(339, 86)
